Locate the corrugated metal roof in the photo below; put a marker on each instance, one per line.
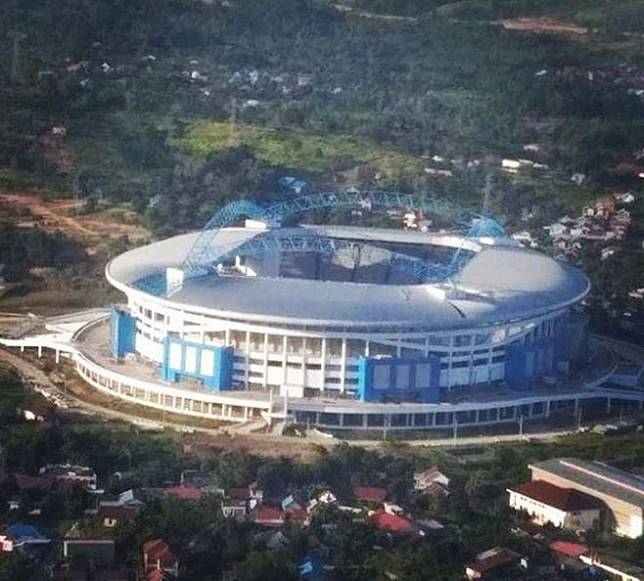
(600, 477)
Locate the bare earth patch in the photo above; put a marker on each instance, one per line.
(55, 215)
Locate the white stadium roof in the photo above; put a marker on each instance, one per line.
(500, 283)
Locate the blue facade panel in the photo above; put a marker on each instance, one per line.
(123, 333)
(212, 365)
(395, 379)
(525, 364)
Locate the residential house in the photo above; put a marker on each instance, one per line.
(251, 494)
(492, 563)
(207, 482)
(390, 522)
(184, 493)
(234, 508)
(115, 515)
(369, 494)
(547, 503)
(269, 516)
(324, 498)
(427, 480)
(14, 503)
(620, 493)
(23, 535)
(157, 556)
(70, 475)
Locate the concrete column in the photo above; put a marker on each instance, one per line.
(343, 366)
(341, 420)
(365, 420)
(284, 357)
(265, 382)
(57, 356)
(247, 373)
(303, 365)
(323, 364)
(609, 406)
(548, 408)
(39, 350)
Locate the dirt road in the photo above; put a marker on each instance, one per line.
(54, 215)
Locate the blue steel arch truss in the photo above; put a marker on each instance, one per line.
(206, 252)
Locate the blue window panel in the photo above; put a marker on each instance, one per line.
(212, 365)
(123, 332)
(392, 378)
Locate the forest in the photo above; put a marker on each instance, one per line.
(176, 107)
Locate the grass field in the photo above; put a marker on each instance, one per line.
(291, 148)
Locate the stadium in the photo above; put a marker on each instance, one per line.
(260, 319)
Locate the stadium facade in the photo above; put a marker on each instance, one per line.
(342, 313)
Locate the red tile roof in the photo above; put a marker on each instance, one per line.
(158, 550)
(184, 492)
(569, 549)
(498, 558)
(369, 494)
(566, 499)
(269, 515)
(156, 575)
(390, 522)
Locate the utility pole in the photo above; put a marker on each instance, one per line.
(16, 70)
(487, 192)
(233, 121)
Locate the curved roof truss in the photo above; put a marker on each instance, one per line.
(206, 251)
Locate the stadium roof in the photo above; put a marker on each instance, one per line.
(599, 477)
(499, 283)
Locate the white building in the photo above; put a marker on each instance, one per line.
(560, 507)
